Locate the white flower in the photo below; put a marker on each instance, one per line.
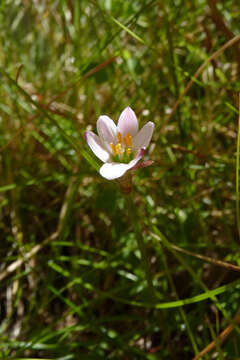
(119, 147)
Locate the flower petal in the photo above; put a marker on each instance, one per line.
(127, 122)
(111, 171)
(143, 138)
(107, 130)
(96, 145)
(143, 164)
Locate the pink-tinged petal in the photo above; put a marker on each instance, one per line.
(143, 138)
(111, 171)
(127, 122)
(142, 164)
(96, 145)
(107, 129)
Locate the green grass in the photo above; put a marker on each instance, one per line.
(86, 271)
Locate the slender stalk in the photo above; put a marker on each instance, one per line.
(134, 218)
(237, 171)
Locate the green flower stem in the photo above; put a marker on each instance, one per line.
(133, 214)
(237, 173)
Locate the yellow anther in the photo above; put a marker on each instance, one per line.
(118, 148)
(128, 151)
(113, 149)
(119, 136)
(129, 139)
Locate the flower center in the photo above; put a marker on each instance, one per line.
(122, 151)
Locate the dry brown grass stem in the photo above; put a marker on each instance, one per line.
(220, 23)
(222, 337)
(18, 72)
(16, 264)
(197, 73)
(89, 73)
(188, 151)
(208, 259)
(63, 213)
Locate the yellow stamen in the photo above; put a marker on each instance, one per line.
(119, 136)
(118, 149)
(128, 151)
(129, 139)
(113, 148)
(126, 148)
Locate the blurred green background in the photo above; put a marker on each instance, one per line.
(87, 272)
